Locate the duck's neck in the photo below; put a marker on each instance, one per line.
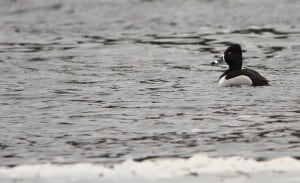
(235, 67)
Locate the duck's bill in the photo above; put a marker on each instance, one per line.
(218, 61)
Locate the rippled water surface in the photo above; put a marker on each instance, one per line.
(104, 81)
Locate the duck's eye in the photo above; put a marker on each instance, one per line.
(229, 53)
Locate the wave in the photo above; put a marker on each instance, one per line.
(198, 168)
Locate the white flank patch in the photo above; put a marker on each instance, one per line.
(236, 81)
(196, 169)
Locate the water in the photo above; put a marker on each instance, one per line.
(105, 81)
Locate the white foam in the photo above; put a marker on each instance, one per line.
(195, 169)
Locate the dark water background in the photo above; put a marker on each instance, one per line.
(104, 81)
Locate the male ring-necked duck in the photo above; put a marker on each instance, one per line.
(235, 75)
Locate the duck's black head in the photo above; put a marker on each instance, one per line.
(233, 57)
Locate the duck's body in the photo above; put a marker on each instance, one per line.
(235, 75)
(242, 77)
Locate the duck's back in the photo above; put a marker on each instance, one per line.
(256, 78)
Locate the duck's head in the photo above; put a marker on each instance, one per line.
(233, 57)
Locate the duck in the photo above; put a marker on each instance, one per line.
(235, 75)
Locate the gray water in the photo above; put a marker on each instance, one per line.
(104, 81)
